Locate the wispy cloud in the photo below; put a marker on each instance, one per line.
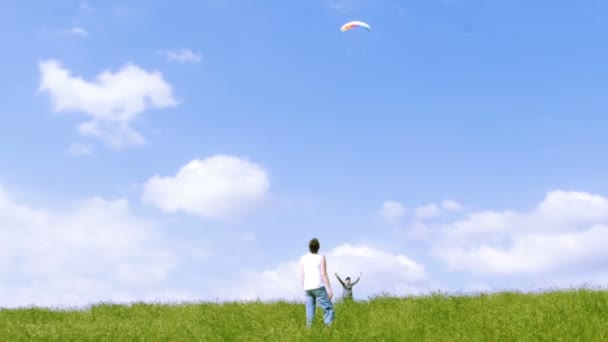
(343, 6)
(77, 31)
(181, 56)
(73, 31)
(85, 6)
(78, 149)
(392, 211)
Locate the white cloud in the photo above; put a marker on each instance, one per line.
(427, 211)
(73, 31)
(562, 235)
(433, 210)
(220, 187)
(112, 101)
(78, 149)
(382, 272)
(96, 251)
(181, 56)
(76, 31)
(532, 253)
(392, 211)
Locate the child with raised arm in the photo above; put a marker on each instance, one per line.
(347, 286)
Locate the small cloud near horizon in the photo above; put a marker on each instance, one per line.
(181, 56)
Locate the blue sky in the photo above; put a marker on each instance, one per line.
(457, 145)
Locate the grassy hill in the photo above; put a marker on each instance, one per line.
(573, 315)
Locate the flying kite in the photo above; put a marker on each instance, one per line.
(353, 24)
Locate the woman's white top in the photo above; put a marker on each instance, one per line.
(312, 271)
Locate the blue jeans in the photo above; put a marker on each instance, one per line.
(318, 295)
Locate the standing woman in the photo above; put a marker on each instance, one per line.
(316, 284)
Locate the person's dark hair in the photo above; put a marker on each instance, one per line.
(347, 278)
(314, 245)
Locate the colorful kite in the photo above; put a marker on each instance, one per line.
(353, 24)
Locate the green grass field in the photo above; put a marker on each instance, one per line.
(572, 315)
